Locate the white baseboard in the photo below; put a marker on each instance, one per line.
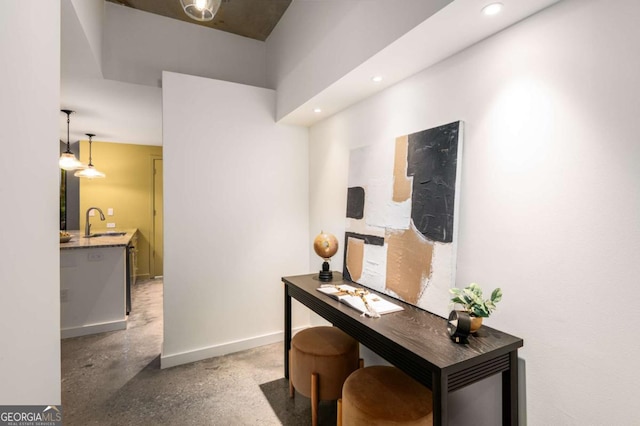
(172, 360)
(93, 329)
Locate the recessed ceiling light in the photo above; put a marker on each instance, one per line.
(317, 110)
(492, 9)
(376, 79)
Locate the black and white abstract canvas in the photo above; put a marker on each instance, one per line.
(402, 204)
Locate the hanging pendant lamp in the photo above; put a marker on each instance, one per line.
(68, 160)
(90, 172)
(201, 10)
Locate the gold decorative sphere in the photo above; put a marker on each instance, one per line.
(325, 245)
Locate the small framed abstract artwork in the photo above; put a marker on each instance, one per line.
(402, 205)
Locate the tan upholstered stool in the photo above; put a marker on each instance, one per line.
(320, 360)
(383, 396)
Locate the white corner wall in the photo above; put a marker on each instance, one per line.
(139, 45)
(318, 42)
(550, 202)
(29, 265)
(91, 16)
(78, 48)
(236, 217)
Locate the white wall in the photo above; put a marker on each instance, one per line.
(550, 197)
(317, 42)
(79, 48)
(29, 179)
(91, 16)
(138, 46)
(236, 217)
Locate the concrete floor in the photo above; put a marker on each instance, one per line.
(115, 379)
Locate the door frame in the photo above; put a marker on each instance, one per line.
(152, 237)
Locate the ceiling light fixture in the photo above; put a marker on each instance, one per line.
(492, 9)
(68, 160)
(317, 110)
(201, 10)
(90, 172)
(376, 79)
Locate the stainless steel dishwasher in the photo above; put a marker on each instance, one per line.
(132, 267)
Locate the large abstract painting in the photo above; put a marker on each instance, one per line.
(402, 204)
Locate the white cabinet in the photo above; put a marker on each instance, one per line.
(92, 290)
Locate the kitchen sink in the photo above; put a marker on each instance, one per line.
(109, 234)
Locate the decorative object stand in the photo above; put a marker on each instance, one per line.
(325, 246)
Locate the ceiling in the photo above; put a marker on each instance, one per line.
(106, 107)
(249, 18)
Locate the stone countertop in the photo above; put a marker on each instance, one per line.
(78, 241)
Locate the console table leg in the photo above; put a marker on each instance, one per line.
(510, 391)
(440, 392)
(287, 330)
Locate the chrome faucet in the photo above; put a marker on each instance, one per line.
(87, 225)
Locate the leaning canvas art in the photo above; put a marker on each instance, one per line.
(402, 204)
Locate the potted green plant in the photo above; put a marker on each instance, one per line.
(472, 302)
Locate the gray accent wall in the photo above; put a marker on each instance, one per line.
(73, 190)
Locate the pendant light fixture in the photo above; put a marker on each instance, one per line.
(68, 160)
(89, 172)
(201, 10)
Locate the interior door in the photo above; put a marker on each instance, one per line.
(158, 239)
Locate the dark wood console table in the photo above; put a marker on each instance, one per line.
(417, 342)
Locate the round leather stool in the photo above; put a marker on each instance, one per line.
(381, 395)
(320, 360)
